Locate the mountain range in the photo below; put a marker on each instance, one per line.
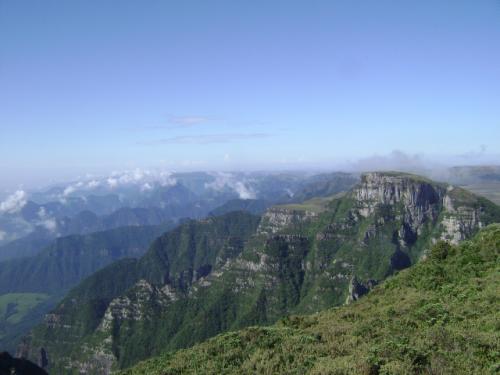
(66, 245)
(237, 270)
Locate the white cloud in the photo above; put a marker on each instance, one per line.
(49, 224)
(243, 191)
(145, 179)
(93, 184)
(42, 213)
(14, 203)
(46, 221)
(112, 182)
(396, 160)
(227, 180)
(3, 235)
(70, 189)
(165, 178)
(146, 187)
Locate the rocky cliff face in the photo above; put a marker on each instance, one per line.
(296, 261)
(461, 219)
(385, 188)
(421, 201)
(417, 201)
(358, 289)
(278, 218)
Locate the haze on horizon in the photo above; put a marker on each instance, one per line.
(91, 87)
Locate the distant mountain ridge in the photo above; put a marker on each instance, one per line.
(297, 259)
(62, 265)
(193, 195)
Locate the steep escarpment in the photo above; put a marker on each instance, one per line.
(237, 270)
(439, 317)
(112, 311)
(32, 286)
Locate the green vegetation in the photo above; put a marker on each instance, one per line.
(325, 185)
(181, 257)
(234, 271)
(13, 307)
(316, 205)
(31, 286)
(19, 312)
(439, 317)
(68, 260)
(253, 206)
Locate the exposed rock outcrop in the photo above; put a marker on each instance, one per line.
(277, 218)
(358, 289)
(419, 199)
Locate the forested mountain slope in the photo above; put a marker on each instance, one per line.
(237, 270)
(439, 317)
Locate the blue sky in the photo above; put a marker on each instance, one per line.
(91, 86)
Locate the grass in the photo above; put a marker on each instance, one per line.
(438, 317)
(316, 205)
(14, 306)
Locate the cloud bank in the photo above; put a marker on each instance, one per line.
(46, 221)
(396, 160)
(227, 180)
(14, 203)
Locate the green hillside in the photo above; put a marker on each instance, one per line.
(31, 286)
(238, 270)
(69, 259)
(439, 317)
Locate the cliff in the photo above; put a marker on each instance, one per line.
(234, 271)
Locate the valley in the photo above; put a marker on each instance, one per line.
(237, 270)
(249, 187)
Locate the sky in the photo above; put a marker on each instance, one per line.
(96, 85)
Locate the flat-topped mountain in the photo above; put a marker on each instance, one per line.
(237, 270)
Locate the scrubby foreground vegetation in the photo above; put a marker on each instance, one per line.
(439, 317)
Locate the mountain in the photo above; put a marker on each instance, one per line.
(86, 222)
(439, 317)
(30, 287)
(276, 189)
(233, 271)
(70, 259)
(324, 185)
(140, 198)
(470, 175)
(482, 180)
(253, 206)
(26, 246)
